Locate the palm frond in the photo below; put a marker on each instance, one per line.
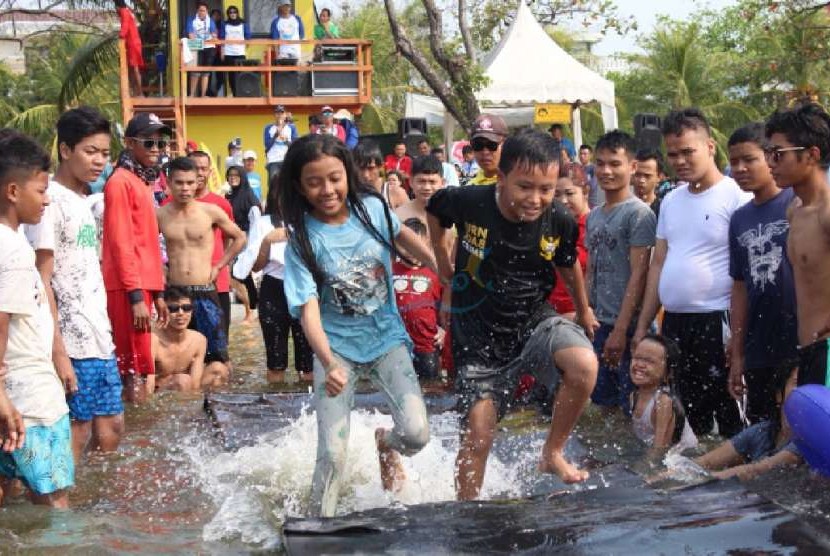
(38, 121)
(96, 58)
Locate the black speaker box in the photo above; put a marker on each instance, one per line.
(642, 121)
(649, 137)
(412, 141)
(407, 126)
(247, 84)
(285, 84)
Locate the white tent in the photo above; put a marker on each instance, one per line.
(528, 68)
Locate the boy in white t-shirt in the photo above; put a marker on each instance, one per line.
(66, 245)
(44, 463)
(689, 272)
(287, 27)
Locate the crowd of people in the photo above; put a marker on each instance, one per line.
(531, 276)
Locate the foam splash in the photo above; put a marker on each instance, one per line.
(257, 487)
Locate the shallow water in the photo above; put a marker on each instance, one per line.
(172, 489)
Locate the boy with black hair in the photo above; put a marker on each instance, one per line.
(595, 194)
(511, 238)
(689, 271)
(764, 327)
(469, 166)
(187, 226)
(399, 161)
(131, 254)
(619, 235)
(799, 155)
(178, 351)
(369, 161)
(649, 177)
(427, 178)
(66, 247)
(44, 462)
(448, 170)
(418, 294)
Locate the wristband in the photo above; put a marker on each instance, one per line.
(135, 296)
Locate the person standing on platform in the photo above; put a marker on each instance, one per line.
(234, 29)
(202, 27)
(287, 27)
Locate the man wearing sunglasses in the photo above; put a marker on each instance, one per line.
(489, 132)
(131, 254)
(178, 352)
(799, 155)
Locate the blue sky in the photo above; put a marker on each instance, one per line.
(646, 12)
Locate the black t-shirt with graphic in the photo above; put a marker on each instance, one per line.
(504, 272)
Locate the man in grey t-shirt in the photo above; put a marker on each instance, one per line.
(619, 236)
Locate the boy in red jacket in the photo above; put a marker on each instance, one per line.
(131, 256)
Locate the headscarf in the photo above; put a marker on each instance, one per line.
(241, 198)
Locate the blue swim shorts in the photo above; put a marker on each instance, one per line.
(44, 463)
(99, 389)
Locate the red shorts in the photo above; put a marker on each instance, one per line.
(132, 348)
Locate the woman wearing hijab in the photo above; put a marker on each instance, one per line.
(246, 209)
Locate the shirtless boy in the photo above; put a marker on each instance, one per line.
(179, 353)
(187, 226)
(799, 155)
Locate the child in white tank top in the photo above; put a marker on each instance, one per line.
(658, 418)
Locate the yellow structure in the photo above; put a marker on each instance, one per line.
(215, 121)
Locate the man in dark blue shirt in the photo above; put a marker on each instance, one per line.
(764, 331)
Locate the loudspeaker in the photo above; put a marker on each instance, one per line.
(334, 83)
(407, 126)
(647, 133)
(247, 84)
(646, 120)
(285, 84)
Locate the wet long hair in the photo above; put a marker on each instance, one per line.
(294, 206)
(673, 362)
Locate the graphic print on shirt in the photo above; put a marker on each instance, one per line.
(359, 286)
(763, 254)
(474, 242)
(548, 246)
(413, 285)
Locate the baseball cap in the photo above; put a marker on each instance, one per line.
(249, 154)
(284, 3)
(235, 144)
(490, 127)
(279, 108)
(192, 145)
(146, 123)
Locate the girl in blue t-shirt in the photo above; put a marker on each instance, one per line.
(338, 282)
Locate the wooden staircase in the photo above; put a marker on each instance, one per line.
(169, 109)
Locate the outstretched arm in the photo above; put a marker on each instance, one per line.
(313, 328)
(417, 247)
(439, 237)
(651, 299)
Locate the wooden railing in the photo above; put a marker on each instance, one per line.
(268, 71)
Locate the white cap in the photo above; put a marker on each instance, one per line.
(249, 154)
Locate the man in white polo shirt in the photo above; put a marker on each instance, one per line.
(689, 273)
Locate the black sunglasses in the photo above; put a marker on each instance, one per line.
(481, 143)
(175, 307)
(150, 143)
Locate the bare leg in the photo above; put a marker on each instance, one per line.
(204, 84)
(392, 474)
(579, 374)
(81, 433)
(275, 376)
(476, 442)
(241, 292)
(59, 499)
(135, 74)
(194, 81)
(107, 431)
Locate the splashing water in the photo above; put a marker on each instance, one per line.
(258, 486)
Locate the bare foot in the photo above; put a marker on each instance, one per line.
(557, 464)
(392, 475)
(249, 318)
(275, 377)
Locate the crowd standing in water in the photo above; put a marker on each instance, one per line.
(535, 274)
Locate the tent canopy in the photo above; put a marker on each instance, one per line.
(528, 67)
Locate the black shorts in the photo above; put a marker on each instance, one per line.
(812, 363)
(427, 365)
(206, 57)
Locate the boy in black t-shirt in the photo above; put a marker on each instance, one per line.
(511, 237)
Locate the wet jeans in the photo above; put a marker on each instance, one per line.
(393, 375)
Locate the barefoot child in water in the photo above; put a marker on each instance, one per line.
(338, 281)
(179, 353)
(657, 416)
(512, 236)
